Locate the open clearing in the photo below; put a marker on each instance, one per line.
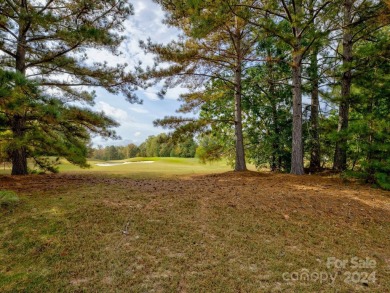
(170, 227)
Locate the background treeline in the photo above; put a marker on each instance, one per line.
(298, 86)
(154, 146)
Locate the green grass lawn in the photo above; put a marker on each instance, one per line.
(161, 167)
(168, 227)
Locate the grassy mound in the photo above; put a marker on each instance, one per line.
(8, 198)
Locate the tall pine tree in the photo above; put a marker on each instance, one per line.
(48, 42)
(218, 45)
(292, 22)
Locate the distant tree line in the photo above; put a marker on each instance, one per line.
(154, 146)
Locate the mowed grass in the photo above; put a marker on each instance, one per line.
(128, 228)
(161, 167)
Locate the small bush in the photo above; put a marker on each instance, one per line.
(8, 198)
(383, 180)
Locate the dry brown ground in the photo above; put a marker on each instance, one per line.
(308, 218)
(286, 193)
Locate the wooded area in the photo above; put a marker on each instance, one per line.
(295, 85)
(286, 83)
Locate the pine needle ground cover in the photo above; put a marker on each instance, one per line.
(225, 232)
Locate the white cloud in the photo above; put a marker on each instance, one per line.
(145, 23)
(115, 113)
(151, 95)
(138, 109)
(137, 120)
(174, 94)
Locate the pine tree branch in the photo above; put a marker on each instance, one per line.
(51, 58)
(8, 52)
(45, 7)
(308, 23)
(288, 13)
(8, 30)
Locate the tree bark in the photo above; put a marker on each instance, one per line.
(340, 157)
(19, 152)
(275, 166)
(297, 144)
(240, 164)
(315, 155)
(275, 155)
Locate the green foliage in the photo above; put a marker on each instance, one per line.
(163, 145)
(114, 152)
(328, 137)
(267, 103)
(217, 48)
(154, 146)
(49, 43)
(245, 63)
(51, 127)
(8, 199)
(383, 179)
(204, 60)
(209, 149)
(57, 37)
(370, 119)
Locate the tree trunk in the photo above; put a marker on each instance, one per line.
(370, 152)
(275, 140)
(276, 148)
(340, 157)
(275, 156)
(240, 164)
(19, 152)
(315, 155)
(297, 144)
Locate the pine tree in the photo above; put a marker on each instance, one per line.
(50, 126)
(218, 45)
(267, 103)
(370, 113)
(48, 42)
(359, 20)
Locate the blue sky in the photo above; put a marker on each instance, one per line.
(137, 120)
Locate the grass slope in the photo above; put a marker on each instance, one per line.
(92, 232)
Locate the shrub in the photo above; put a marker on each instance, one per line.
(383, 180)
(8, 198)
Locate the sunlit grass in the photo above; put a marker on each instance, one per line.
(161, 167)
